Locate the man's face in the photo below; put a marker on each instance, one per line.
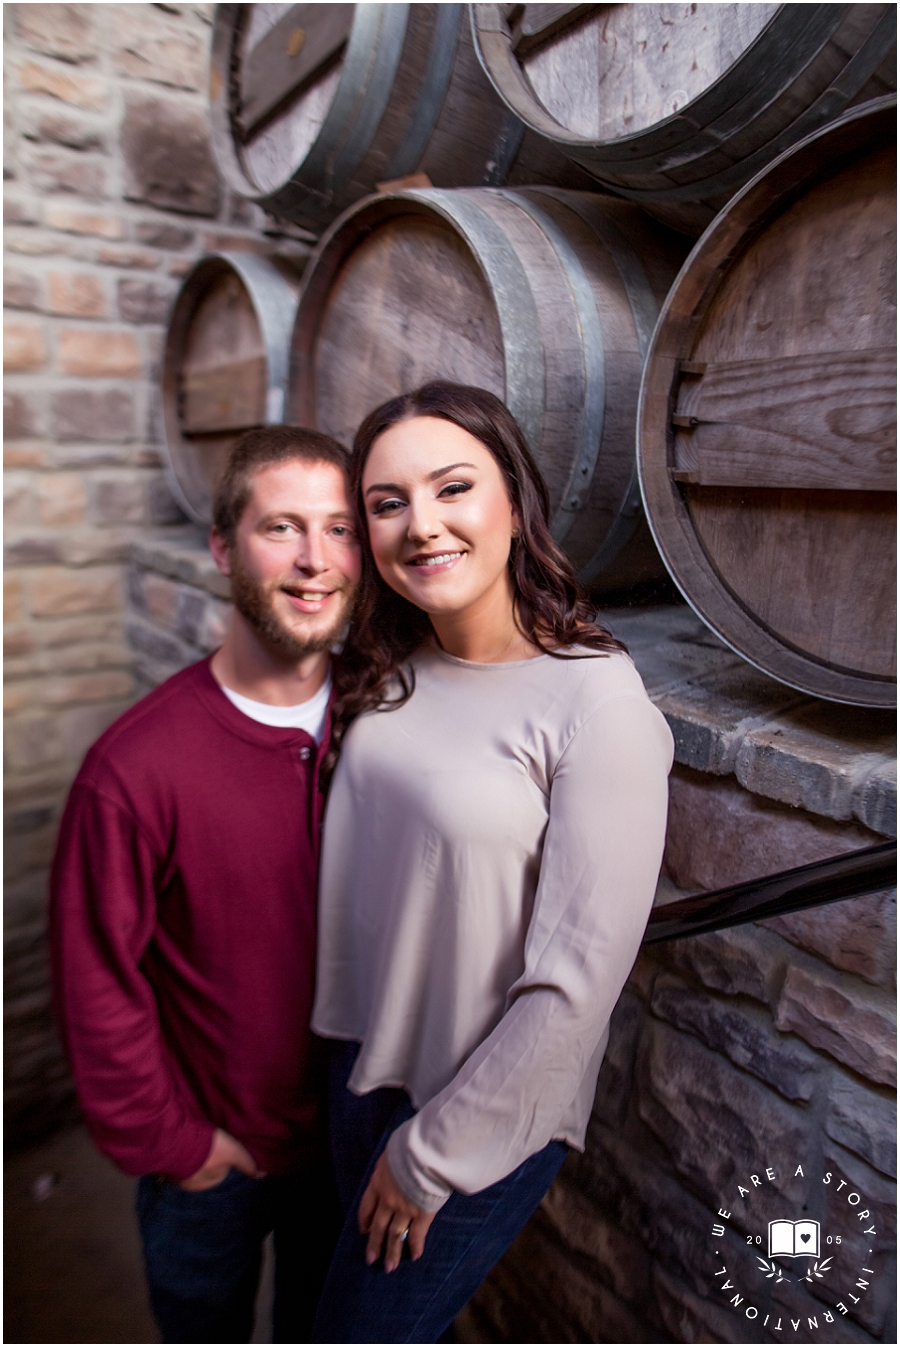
(295, 562)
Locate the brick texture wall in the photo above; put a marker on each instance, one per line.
(111, 195)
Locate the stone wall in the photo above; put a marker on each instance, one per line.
(111, 195)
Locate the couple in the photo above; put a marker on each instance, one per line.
(494, 828)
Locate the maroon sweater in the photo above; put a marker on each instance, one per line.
(183, 932)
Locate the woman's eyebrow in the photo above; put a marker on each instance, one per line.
(432, 477)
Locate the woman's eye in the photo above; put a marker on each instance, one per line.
(456, 488)
(387, 506)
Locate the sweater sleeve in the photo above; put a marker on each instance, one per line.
(601, 858)
(102, 917)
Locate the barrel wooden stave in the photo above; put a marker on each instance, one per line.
(225, 365)
(515, 291)
(418, 102)
(777, 345)
(802, 68)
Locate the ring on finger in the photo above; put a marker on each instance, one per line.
(402, 1234)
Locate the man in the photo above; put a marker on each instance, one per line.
(183, 913)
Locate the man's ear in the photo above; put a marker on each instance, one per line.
(221, 552)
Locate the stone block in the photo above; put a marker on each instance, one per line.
(717, 1123)
(82, 726)
(118, 499)
(151, 46)
(812, 756)
(577, 1224)
(86, 414)
(164, 651)
(614, 1085)
(57, 592)
(854, 1023)
(858, 935)
(17, 642)
(18, 499)
(61, 170)
(21, 415)
(13, 599)
(21, 290)
(24, 346)
(32, 741)
(875, 797)
(92, 353)
(62, 499)
(91, 687)
(720, 834)
(66, 31)
(63, 128)
(859, 1199)
(167, 156)
(120, 255)
(32, 549)
(144, 301)
(70, 220)
(743, 1033)
(864, 1120)
(89, 546)
(182, 554)
(162, 507)
(81, 91)
(156, 234)
(20, 210)
(41, 243)
(744, 960)
(27, 456)
(710, 716)
(76, 294)
(154, 595)
(691, 1318)
(68, 631)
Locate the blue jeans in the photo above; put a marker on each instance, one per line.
(419, 1301)
(203, 1253)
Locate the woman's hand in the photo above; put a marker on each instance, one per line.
(385, 1213)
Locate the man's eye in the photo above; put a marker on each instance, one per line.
(343, 531)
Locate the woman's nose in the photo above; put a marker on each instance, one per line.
(423, 521)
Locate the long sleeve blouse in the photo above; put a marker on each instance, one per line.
(490, 856)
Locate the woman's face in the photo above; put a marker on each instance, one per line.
(439, 517)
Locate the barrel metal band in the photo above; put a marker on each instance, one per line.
(590, 422)
(441, 61)
(644, 313)
(367, 77)
(525, 374)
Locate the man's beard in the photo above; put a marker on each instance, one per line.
(254, 602)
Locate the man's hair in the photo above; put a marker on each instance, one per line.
(260, 449)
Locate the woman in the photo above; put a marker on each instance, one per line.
(492, 843)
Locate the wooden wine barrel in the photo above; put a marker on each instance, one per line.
(767, 444)
(545, 297)
(677, 106)
(226, 365)
(314, 105)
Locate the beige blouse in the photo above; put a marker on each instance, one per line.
(490, 856)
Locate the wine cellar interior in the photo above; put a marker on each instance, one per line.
(664, 234)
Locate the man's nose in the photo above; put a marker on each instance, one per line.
(310, 555)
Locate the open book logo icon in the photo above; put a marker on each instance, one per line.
(790, 1239)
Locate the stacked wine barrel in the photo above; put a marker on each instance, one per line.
(508, 194)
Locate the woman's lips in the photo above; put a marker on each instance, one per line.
(436, 564)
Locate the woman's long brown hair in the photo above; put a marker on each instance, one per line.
(551, 608)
